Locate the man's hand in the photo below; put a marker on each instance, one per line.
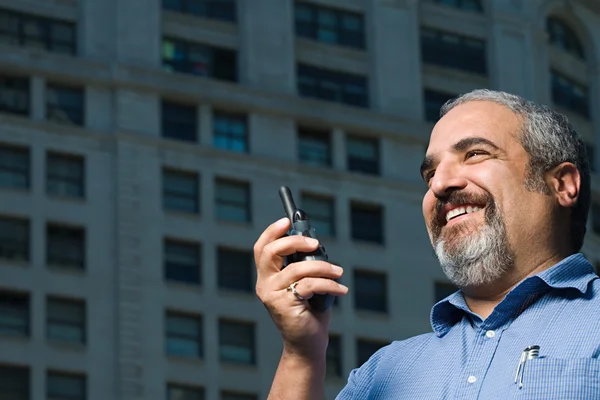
(304, 332)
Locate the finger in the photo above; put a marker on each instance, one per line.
(274, 231)
(304, 269)
(272, 254)
(308, 287)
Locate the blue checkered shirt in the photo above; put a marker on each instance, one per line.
(469, 358)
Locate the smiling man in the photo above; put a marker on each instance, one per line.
(506, 210)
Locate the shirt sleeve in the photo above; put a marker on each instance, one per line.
(361, 380)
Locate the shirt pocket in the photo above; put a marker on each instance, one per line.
(560, 378)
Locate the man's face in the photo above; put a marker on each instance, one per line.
(478, 212)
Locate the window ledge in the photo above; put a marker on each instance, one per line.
(14, 190)
(185, 360)
(68, 346)
(77, 200)
(61, 269)
(15, 338)
(12, 263)
(183, 214)
(231, 365)
(195, 287)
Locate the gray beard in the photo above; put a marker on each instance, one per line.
(478, 257)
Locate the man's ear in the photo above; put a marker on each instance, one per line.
(564, 181)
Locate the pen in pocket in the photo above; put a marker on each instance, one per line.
(529, 353)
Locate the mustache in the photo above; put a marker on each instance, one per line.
(459, 197)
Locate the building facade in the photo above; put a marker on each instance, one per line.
(143, 142)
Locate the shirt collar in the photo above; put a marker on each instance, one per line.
(573, 272)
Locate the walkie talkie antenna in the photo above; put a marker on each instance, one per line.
(288, 202)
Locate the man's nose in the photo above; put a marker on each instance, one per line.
(446, 180)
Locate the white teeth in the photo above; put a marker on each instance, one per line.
(461, 210)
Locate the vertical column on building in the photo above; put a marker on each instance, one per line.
(338, 149)
(38, 98)
(393, 44)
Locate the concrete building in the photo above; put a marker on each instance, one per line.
(142, 144)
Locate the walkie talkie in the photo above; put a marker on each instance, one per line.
(301, 226)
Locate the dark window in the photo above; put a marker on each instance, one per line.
(235, 269)
(14, 94)
(65, 386)
(14, 314)
(339, 87)
(14, 167)
(184, 335)
(181, 191)
(321, 212)
(14, 239)
(233, 201)
(65, 175)
(596, 218)
(466, 5)
(334, 357)
(365, 348)
(179, 122)
(443, 290)
(184, 392)
(434, 101)
(562, 36)
(314, 147)
(363, 155)
(14, 383)
(570, 95)
(228, 395)
(199, 59)
(37, 32)
(230, 132)
(453, 51)
(65, 246)
(367, 222)
(182, 262)
(65, 104)
(216, 9)
(65, 320)
(370, 291)
(236, 342)
(330, 25)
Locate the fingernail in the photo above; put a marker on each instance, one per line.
(282, 222)
(311, 241)
(336, 268)
(342, 286)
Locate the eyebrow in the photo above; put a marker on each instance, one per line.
(460, 146)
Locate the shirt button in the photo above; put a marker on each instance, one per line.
(472, 379)
(490, 334)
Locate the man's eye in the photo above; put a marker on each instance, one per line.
(473, 153)
(429, 175)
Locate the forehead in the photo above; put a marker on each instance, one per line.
(484, 119)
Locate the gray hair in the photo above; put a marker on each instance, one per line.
(549, 139)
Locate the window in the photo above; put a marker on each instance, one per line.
(65, 320)
(235, 269)
(181, 191)
(329, 25)
(314, 147)
(466, 5)
(14, 382)
(184, 392)
(563, 37)
(363, 155)
(64, 104)
(230, 132)
(65, 246)
(370, 291)
(453, 51)
(321, 212)
(339, 87)
(184, 335)
(434, 101)
(236, 342)
(570, 95)
(65, 175)
(233, 201)
(367, 222)
(365, 348)
(182, 262)
(37, 32)
(14, 314)
(179, 122)
(65, 386)
(216, 9)
(228, 395)
(443, 290)
(334, 357)
(14, 239)
(199, 59)
(14, 94)
(14, 167)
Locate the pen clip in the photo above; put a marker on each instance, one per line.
(529, 353)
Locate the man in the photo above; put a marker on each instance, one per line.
(506, 209)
